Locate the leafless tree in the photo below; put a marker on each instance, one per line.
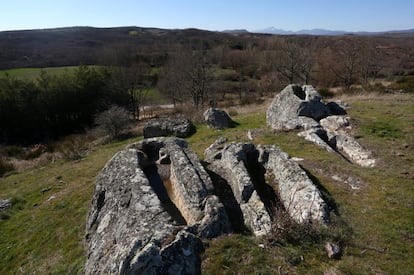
(347, 59)
(132, 81)
(292, 61)
(187, 76)
(371, 62)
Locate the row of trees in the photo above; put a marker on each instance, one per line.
(199, 74)
(53, 106)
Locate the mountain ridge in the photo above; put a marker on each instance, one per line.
(319, 31)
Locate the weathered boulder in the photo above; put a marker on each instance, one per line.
(218, 119)
(246, 169)
(334, 123)
(5, 204)
(318, 136)
(297, 107)
(230, 161)
(178, 126)
(234, 159)
(299, 195)
(150, 202)
(333, 250)
(351, 148)
(337, 108)
(288, 108)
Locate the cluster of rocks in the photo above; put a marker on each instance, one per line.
(303, 108)
(154, 202)
(182, 127)
(177, 126)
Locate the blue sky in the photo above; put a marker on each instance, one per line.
(348, 15)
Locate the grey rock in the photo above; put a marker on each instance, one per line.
(214, 151)
(182, 256)
(5, 205)
(352, 149)
(178, 126)
(217, 118)
(334, 123)
(230, 161)
(298, 107)
(333, 250)
(256, 216)
(215, 221)
(135, 224)
(299, 195)
(234, 158)
(337, 108)
(292, 103)
(342, 104)
(317, 136)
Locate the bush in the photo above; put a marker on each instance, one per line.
(405, 84)
(113, 121)
(5, 167)
(12, 151)
(326, 93)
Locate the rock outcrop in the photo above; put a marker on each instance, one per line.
(177, 126)
(297, 107)
(217, 118)
(154, 201)
(151, 203)
(247, 168)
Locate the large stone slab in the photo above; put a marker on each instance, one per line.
(151, 203)
(242, 165)
(299, 195)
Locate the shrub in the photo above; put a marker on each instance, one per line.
(326, 93)
(113, 121)
(5, 167)
(12, 151)
(405, 84)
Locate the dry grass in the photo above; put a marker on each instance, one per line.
(379, 214)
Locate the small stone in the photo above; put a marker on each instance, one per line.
(5, 205)
(336, 178)
(333, 250)
(297, 159)
(218, 119)
(51, 198)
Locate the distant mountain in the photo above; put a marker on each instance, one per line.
(236, 31)
(273, 30)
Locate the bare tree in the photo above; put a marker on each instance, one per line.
(371, 62)
(134, 82)
(187, 76)
(347, 61)
(290, 60)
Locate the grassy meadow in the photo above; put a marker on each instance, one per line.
(34, 73)
(44, 231)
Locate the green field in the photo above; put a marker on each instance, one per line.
(33, 73)
(44, 232)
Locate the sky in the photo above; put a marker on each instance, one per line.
(294, 15)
